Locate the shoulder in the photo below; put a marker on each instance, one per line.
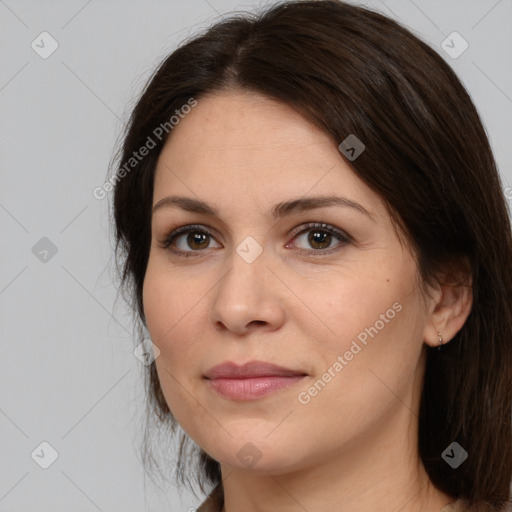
(456, 506)
(214, 501)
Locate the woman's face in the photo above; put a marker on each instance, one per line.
(323, 289)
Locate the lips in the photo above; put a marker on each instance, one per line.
(229, 370)
(250, 381)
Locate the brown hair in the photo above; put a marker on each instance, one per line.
(350, 70)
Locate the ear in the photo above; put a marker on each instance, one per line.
(449, 306)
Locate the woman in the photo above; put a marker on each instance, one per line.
(313, 231)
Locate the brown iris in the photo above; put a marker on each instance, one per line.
(319, 237)
(201, 239)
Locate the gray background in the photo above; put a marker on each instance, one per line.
(68, 375)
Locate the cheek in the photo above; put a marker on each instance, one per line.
(347, 306)
(371, 317)
(175, 316)
(167, 300)
(157, 305)
(365, 366)
(381, 345)
(170, 316)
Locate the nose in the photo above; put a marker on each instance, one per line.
(248, 297)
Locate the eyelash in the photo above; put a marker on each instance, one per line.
(196, 228)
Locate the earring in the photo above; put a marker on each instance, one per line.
(439, 340)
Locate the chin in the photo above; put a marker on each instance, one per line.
(259, 453)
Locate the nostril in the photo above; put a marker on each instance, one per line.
(258, 322)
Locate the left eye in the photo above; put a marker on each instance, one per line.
(320, 237)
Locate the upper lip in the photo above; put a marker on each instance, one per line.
(230, 370)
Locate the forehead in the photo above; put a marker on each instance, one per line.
(247, 145)
(245, 123)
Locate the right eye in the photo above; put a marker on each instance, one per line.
(197, 239)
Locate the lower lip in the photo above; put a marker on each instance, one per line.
(252, 388)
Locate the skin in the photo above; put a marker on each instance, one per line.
(353, 446)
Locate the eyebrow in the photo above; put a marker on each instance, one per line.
(278, 211)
